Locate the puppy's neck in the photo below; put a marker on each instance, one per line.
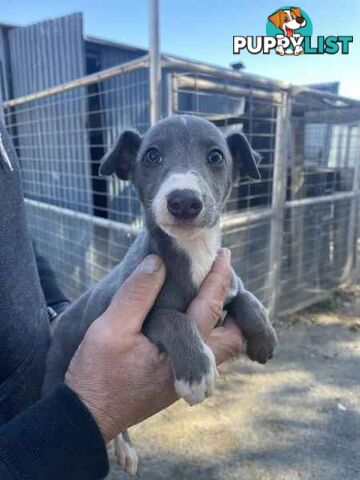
(198, 252)
(201, 251)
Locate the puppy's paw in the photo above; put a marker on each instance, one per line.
(198, 382)
(261, 345)
(126, 455)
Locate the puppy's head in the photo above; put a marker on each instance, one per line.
(183, 169)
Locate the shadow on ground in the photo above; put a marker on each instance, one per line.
(296, 418)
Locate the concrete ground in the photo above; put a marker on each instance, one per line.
(296, 418)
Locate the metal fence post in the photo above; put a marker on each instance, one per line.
(155, 62)
(2, 112)
(356, 274)
(353, 262)
(278, 201)
(172, 94)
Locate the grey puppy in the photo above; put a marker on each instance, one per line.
(183, 169)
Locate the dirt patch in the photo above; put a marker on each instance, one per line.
(296, 418)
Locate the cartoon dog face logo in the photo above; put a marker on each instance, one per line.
(288, 20)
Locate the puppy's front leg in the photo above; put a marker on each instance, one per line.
(126, 455)
(251, 317)
(192, 360)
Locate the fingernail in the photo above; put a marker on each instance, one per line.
(150, 264)
(225, 253)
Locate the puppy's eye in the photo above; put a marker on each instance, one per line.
(153, 157)
(286, 19)
(215, 158)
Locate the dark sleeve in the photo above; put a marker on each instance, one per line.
(55, 439)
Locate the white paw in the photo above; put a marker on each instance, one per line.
(196, 392)
(126, 455)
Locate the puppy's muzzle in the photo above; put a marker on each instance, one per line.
(184, 204)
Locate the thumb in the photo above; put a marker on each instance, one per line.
(134, 299)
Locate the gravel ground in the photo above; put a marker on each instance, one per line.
(296, 418)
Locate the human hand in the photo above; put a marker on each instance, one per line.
(118, 373)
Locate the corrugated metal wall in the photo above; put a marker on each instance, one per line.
(43, 55)
(50, 134)
(5, 90)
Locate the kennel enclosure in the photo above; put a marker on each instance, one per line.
(66, 97)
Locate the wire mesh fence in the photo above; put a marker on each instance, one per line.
(294, 235)
(309, 144)
(80, 221)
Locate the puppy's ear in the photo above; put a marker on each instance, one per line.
(275, 18)
(121, 158)
(296, 10)
(244, 157)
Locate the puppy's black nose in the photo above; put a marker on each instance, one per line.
(184, 204)
(300, 19)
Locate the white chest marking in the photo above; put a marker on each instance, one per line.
(202, 251)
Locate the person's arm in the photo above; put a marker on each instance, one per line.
(117, 377)
(55, 439)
